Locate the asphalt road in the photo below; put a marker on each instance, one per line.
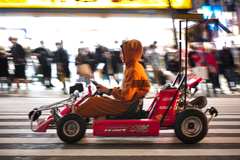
(17, 141)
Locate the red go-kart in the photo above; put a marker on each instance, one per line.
(170, 109)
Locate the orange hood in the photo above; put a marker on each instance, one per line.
(132, 51)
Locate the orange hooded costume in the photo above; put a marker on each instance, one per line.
(135, 85)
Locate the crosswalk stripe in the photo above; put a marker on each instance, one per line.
(16, 114)
(19, 117)
(29, 131)
(48, 113)
(146, 105)
(120, 152)
(16, 110)
(118, 140)
(23, 113)
(53, 131)
(26, 111)
(218, 123)
(43, 117)
(211, 101)
(227, 116)
(221, 107)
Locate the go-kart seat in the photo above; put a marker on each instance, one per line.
(134, 112)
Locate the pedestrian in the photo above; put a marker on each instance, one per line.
(237, 67)
(62, 65)
(235, 53)
(155, 43)
(173, 64)
(19, 61)
(110, 67)
(88, 58)
(143, 59)
(156, 66)
(4, 67)
(99, 53)
(169, 53)
(219, 66)
(206, 60)
(228, 67)
(212, 67)
(92, 62)
(45, 58)
(191, 54)
(82, 61)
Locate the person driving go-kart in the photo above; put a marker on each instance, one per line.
(134, 86)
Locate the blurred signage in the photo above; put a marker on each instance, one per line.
(117, 4)
(215, 12)
(230, 5)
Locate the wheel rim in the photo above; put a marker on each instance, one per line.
(192, 126)
(71, 128)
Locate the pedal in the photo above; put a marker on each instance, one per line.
(213, 111)
(36, 116)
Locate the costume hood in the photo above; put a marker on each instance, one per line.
(132, 51)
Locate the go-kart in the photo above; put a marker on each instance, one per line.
(169, 110)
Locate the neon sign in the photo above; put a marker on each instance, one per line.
(117, 4)
(213, 12)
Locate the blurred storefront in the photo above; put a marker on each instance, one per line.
(227, 11)
(95, 22)
(91, 30)
(92, 21)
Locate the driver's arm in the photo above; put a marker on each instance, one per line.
(131, 86)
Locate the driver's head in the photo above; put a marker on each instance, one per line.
(131, 51)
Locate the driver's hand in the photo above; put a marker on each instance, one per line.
(102, 89)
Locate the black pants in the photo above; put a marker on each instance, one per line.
(20, 71)
(230, 76)
(47, 70)
(214, 79)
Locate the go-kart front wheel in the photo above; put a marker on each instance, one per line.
(71, 128)
(191, 126)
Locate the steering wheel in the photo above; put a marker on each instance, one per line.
(96, 93)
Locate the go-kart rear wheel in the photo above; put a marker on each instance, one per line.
(71, 128)
(191, 126)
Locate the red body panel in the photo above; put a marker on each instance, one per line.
(149, 108)
(119, 128)
(163, 100)
(191, 83)
(43, 125)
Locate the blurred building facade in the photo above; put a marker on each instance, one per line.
(94, 24)
(64, 20)
(227, 11)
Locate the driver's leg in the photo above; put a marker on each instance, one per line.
(100, 106)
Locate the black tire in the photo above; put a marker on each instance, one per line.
(71, 128)
(191, 126)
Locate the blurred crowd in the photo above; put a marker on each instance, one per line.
(208, 62)
(160, 63)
